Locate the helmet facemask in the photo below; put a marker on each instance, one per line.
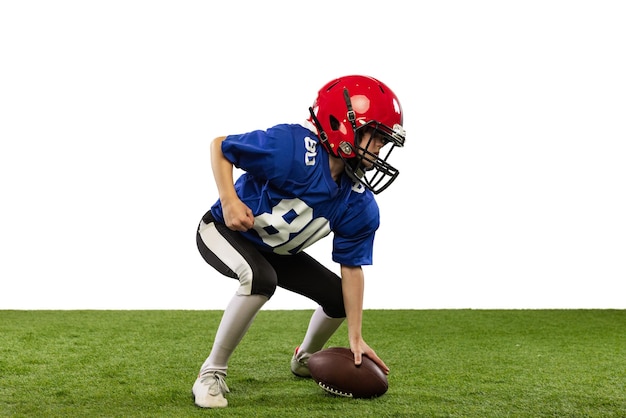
(366, 167)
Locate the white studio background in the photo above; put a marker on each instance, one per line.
(513, 184)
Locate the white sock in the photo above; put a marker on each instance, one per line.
(236, 320)
(321, 328)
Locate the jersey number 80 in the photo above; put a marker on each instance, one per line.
(290, 227)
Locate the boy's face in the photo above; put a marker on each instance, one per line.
(372, 142)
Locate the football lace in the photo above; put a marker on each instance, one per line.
(335, 391)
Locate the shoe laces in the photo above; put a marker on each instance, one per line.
(302, 358)
(215, 380)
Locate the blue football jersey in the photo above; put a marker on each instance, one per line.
(295, 201)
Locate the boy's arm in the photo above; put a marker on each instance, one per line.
(237, 215)
(353, 283)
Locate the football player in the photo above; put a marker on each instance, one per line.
(300, 183)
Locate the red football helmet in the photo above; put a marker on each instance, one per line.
(347, 108)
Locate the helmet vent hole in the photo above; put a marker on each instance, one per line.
(334, 123)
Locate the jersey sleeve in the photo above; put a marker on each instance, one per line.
(353, 242)
(263, 154)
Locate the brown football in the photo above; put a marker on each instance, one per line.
(334, 371)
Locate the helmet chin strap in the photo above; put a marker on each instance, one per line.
(345, 147)
(355, 171)
(321, 132)
(351, 115)
(352, 166)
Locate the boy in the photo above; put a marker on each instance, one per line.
(300, 183)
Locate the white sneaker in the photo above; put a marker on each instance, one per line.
(299, 363)
(209, 390)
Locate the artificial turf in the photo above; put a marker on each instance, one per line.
(444, 363)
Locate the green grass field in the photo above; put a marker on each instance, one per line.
(444, 363)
